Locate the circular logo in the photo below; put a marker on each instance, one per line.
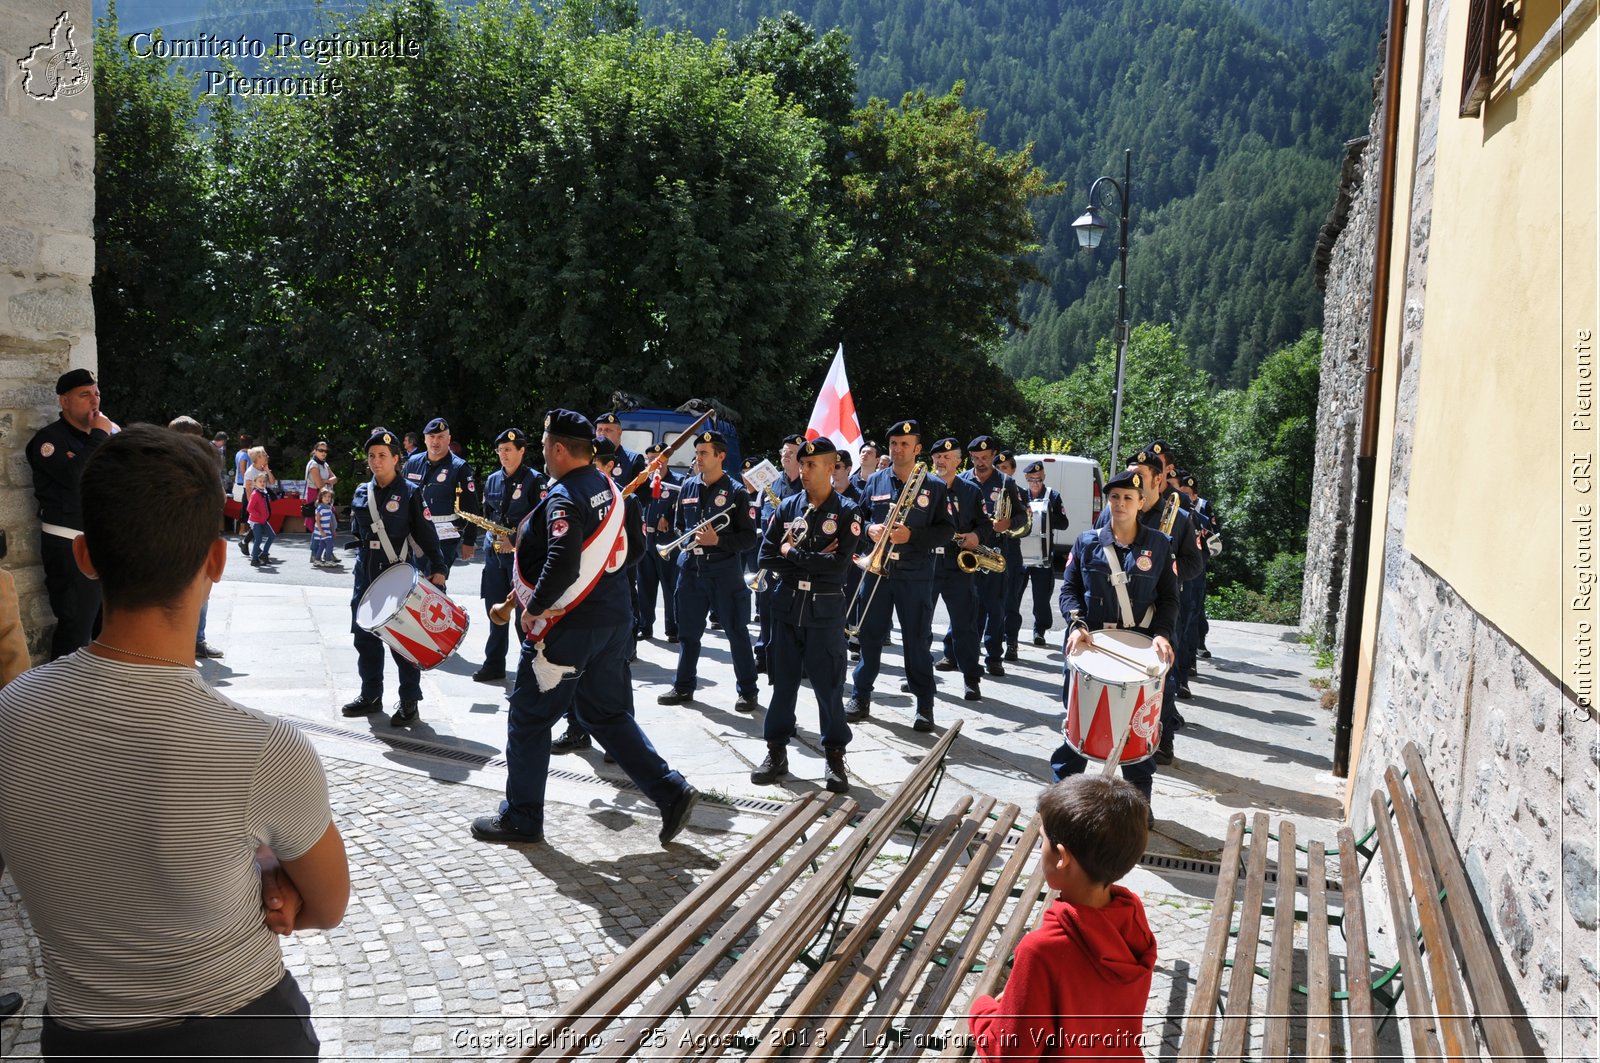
(393, 505)
(830, 526)
(721, 499)
(1144, 564)
(518, 492)
(47, 449)
(443, 475)
(855, 528)
(558, 527)
(434, 617)
(1146, 722)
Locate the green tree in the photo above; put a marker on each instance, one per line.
(154, 255)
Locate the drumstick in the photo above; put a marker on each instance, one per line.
(1147, 669)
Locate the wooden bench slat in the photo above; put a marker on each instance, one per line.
(1035, 891)
(1497, 1013)
(1448, 994)
(825, 979)
(656, 949)
(1196, 1042)
(1363, 1046)
(1424, 1035)
(752, 977)
(1319, 1003)
(1280, 979)
(1236, 1023)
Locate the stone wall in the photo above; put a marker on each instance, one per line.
(46, 253)
(1513, 760)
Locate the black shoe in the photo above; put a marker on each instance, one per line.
(857, 709)
(994, 667)
(1011, 653)
(1205, 653)
(10, 1004)
(570, 742)
(924, 720)
(205, 649)
(1163, 753)
(1039, 640)
(945, 664)
(1183, 691)
(244, 545)
(773, 768)
(674, 696)
(487, 674)
(641, 636)
(834, 778)
(405, 714)
(905, 686)
(362, 707)
(973, 693)
(676, 818)
(855, 655)
(748, 703)
(255, 562)
(672, 639)
(496, 829)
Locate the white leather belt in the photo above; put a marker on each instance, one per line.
(938, 549)
(59, 532)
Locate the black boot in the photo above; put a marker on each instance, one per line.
(775, 767)
(834, 778)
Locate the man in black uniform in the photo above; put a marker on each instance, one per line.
(1011, 550)
(572, 552)
(788, 484)
(958, 588)
(999, 494)
(709, 575)
(805, 552)
(509, 494)
(1049, 515)
(57, 454)
(904, 588)
(385, 512)
(443, 478)
(655, 571)
(626, 464)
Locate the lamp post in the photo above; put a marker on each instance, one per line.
(1091, 226)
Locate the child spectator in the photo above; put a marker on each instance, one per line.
(322, 532)
(1079, 983)
(258, 507)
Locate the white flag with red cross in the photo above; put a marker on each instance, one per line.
(834, 415)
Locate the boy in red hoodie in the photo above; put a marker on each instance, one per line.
(1080, 982)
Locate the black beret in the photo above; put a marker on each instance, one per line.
(653, 449)
(1006, 455)
(845, 459)
(604, 449)
(945, 446)
(559, 422)
(438, 424)
(1148, 458)
(982, 445)
(515, 436)
(1164, 450)
(796, 438)
(716, 439)
(74, 379)
(1185, 478)
(381, 437)
(749, 463)
(608, 418)
(1033, 467)
(904, 428)
(1126, 478)
(814, 447)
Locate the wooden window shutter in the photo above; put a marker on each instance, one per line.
(1483, 48)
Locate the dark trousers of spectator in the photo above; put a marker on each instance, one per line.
(74, 597)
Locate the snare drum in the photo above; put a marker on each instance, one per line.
(413, 616)
(1107, 697)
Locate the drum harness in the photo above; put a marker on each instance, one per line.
(1119, 583)
(383, 533)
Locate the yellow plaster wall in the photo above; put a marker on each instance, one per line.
(1511, 272)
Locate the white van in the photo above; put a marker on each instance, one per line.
(1078, 481)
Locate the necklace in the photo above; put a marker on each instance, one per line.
(136, 653)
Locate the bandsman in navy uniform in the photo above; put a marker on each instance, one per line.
(1041, 577)
(709, 574)
(805, 552)
(442, 477)
(572, 553)
(904, 590)
(1192, 600)
(57, 454)
(385, 513)
(788, 483)
(957, 588)
(657, 572)
(509, 494)
(866, 466)
(844, 481)
(1090, 603)
(995, 486)
(748, 559)
(1011, 550)
(628, 464)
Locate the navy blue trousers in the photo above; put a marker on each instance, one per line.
(912, 602)
(808, 638)
(657, 573)
(369, 665)
(991, 589)
(703, 588)
(961, 604)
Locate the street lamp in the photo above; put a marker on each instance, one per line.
(1091, 226)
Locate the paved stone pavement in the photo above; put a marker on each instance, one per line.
(448, 941)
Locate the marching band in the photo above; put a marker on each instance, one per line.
(832, 555)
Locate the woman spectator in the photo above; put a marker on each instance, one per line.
(241, 465)
(257, 479)
(318, 475)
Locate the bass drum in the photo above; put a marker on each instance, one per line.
(412, 616)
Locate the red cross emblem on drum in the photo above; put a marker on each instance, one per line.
(1114, 699)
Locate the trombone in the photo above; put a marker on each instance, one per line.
(877, 562)
(715, 522)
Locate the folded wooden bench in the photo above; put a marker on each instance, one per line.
(819, 938)
(1454, 998)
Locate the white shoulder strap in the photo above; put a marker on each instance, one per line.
(1119, 583)
(377, 524)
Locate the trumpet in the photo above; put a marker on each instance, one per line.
(877, 562)
(791, 537)
(715, 523)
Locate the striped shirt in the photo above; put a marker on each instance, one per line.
(132, 799)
